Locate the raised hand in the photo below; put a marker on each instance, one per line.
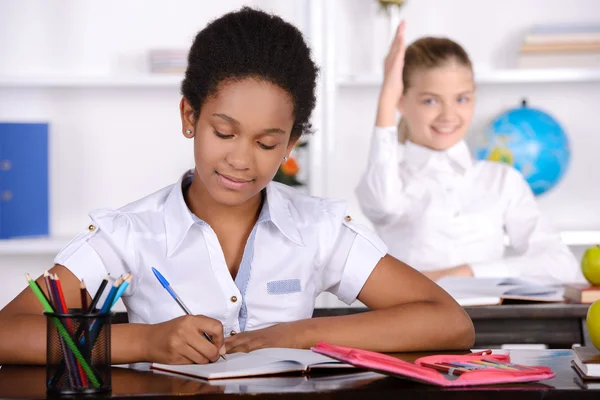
(392, 88)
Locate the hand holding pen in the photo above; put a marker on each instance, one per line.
(182, 333)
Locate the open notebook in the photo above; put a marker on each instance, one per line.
(292, 383)
(491, 291)
(255, 363)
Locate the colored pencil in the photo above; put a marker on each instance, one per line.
(62, 330)
(466, 366)
(493, 365)
(111, 296)
(85, 322)
(122, 288)
(98, 294)
(68, 357)
(446, 369)
(97, 326)
(515, 366)
(49, 289)
(62, 307)
(84, 298)
(90, 310)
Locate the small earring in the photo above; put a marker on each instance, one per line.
(188, 132)
(285, 158)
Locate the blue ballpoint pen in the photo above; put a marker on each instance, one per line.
(174, 295)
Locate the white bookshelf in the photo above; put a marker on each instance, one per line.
(500, 76)
(33, 245)
(91, 81)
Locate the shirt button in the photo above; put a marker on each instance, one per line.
(91, 227)
(233, 299)
(232, 333)
(348, 218)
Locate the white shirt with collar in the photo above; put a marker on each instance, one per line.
(440, 209)
(299, 247)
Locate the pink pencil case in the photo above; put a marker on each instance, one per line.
(501, 372)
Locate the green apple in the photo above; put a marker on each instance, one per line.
(593, 323)
(590, 265)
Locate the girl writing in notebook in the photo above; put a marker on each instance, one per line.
(434, 206)
(246, 255)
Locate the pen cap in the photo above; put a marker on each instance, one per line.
(160, 278)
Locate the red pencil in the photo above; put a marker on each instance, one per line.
(65, 310)
(443, 368)
(61, 298)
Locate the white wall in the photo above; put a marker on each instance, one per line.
(110, 146)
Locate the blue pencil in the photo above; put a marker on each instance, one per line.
(122, 288)
(95, 328)
(111, 296)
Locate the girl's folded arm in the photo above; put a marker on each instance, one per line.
(23, 326)
(409, 312)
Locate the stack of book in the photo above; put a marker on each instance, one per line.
(586, 361)
(581, 293)
(167, 60)
(561, 46)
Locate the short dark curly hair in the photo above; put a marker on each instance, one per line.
(252, 43)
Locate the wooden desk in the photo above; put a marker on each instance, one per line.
(558, 325)
(28, 382)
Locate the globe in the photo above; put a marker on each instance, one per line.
(531, 141)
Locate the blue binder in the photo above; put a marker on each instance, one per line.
(23, 180)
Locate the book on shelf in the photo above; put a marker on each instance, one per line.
(566, 33)
(491, 291)
(588, 47)
(587, 361)
(559, 60)
(564, 29)
(257, 363)
(561, 46)
(577, 37)
(167, 60)
(582, 293)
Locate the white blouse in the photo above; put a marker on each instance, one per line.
(441, 209)
(300, 246)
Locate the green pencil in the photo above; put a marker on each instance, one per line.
(62, 330)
